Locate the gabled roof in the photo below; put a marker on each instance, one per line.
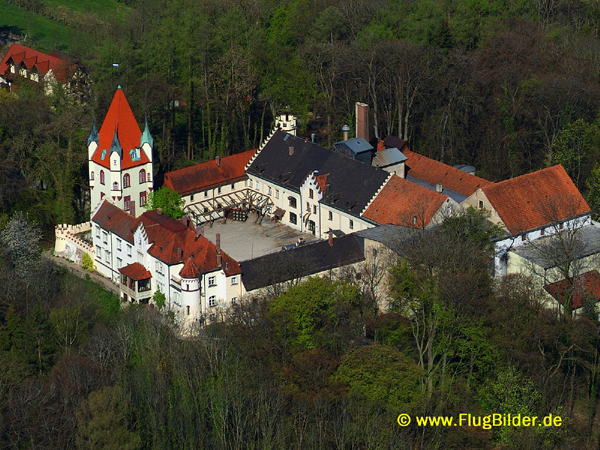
(434, 172)
(136, 272)
(586, 285)
(352, 184)
(400, 201)
(111, 218)
(120, 119)
(301, 261)
(207, 175)
(394, 142)
(388, 157)
(536, 199)
(62, 68)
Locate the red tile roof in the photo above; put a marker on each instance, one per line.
(400, 201)
(172, 241)
(434, 172)
(586, 285)
(136, 272)
(536, 199)
(189, 270)
(208, 175)
(120, 117)
(62, 68)
(322, 182)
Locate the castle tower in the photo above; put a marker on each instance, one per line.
(190, 290)
(120, 159)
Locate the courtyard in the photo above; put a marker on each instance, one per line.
(248, 240)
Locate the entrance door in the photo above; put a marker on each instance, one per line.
(311, 226)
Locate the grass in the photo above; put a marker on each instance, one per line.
(106, 9)
(42, 33)
(108, 303)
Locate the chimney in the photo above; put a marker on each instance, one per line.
(218, 249)
(291, 151)
(226, 265)
(132, 208)
(218, 161)
(179, 253)
(330, 239)
(346, 132)
(199, 232)
(159, 211)
(362, 120)
(439, 187)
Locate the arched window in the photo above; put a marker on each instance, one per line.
(115, 186)
(142, 176)
(92, 176)
(126, 180)
(102, 177)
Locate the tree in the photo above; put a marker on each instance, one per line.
(87, 262)
(169, 201)
(20, 244)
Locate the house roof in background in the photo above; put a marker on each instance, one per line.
(111, 218)
(206, 175)
(400, 201)
(62, 66)
(388, 157)
(434, 172)
(536, 199)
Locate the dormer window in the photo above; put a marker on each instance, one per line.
(103, 155)
(135, 156)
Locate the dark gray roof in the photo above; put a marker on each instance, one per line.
(352, 183)
(301, 261)
(458, 198)
(543, 254)
(357, 145)
(388, 157)
(394, 237)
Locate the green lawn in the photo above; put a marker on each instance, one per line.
(42, 33)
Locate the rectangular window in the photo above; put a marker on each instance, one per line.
(481, 203)
(219, 190)
(258, 185)
(97, 231)
(105, 237)
(98, 252)
(205, 194)
(251, 183)
(107, 256)
(314, 209)
(212, 281)
(128, 250)
(293, 218)
(330, 215)
(119, 263)
(276, 193)
(126, 201)
(192, 198)
(187, 308)
(232, 186)
(292, 202)
(234, 281)
(311, 194)
(234, 300)
(143, 198)
(119, 244)
(351, 224)
(307, 207)
(212, 301)
(269, 190)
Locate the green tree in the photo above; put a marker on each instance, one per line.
(87, 262)
(168, 200)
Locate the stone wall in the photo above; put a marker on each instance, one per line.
(69, 245)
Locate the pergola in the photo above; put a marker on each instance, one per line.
(235, 205)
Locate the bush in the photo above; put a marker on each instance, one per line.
(87, 263)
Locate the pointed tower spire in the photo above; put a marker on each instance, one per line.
(146, 136)
(116, 145)
(94, 137)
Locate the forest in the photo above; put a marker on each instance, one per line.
(508, 86)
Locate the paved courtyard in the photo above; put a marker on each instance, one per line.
(247, 240)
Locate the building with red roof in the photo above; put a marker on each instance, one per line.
(584, 287)
(155, 252)
(120, 159)
(404, 203)
(23, 64)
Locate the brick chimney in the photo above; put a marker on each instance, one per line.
(218, 245)
(362, 120)
(218, 161)
(330, 239)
